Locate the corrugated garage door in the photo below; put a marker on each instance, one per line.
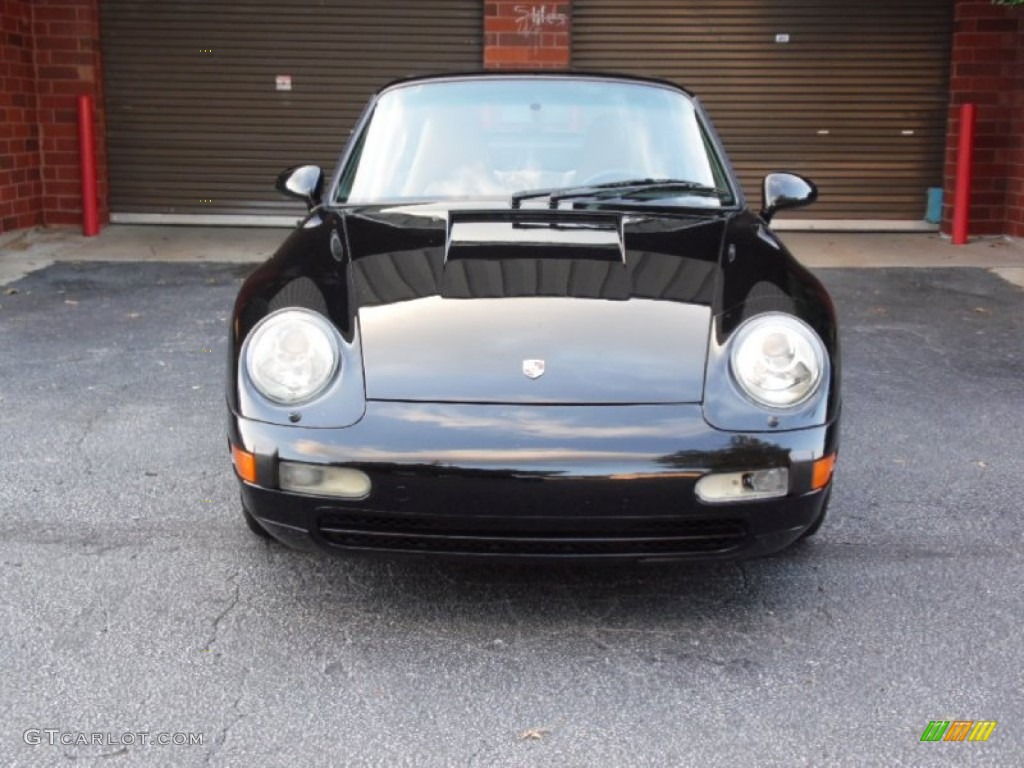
(851, 94)
(196, 123)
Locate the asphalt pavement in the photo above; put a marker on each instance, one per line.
(135, 605)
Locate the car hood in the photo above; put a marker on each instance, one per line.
(508, 310)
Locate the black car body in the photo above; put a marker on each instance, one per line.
(532, 316)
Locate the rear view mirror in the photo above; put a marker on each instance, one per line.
(786, 190)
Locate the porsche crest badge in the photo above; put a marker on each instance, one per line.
(533, 369)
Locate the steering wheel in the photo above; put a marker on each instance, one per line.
(612, 175)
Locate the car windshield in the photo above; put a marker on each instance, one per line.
(490, 138)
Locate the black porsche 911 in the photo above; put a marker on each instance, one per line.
(531, 315)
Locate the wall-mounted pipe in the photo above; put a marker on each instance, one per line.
(964, 169)
(87, 145)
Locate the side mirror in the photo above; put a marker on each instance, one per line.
(306, 182)
(785, 190)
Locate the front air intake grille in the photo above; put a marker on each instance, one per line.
(540, 537)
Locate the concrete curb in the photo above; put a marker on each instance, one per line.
(28, 250)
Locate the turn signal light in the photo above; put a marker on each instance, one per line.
(245, 464)
(822, 472)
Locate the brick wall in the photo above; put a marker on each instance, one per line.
(526, 35)
(987, 69)
(50, 55)
(1014, 153)
(20, 181)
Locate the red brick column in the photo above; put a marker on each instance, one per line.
(50, 54)
(21, 188)
(988, 70)
(526, 35)
(67, 41)
(1014, 152)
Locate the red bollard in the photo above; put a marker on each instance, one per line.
(964, 169)
(90, 211)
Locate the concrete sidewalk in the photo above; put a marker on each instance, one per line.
(28, 250)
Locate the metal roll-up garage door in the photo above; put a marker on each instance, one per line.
(199, 112)
(853, 95)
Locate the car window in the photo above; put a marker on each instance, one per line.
(489, 138)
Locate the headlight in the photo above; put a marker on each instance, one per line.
(777, 359)
(292, 355)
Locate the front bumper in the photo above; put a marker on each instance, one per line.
(599, 482)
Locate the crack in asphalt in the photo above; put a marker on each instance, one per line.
(745, 586)
(98, 549)
(744, 575)
(233, 717)
(91, 621)
(235, 713)
(90, 424)
(100, 756)
(232, 602)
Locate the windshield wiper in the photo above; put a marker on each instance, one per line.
(616, 189)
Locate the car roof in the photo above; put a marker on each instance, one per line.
(547, 74)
